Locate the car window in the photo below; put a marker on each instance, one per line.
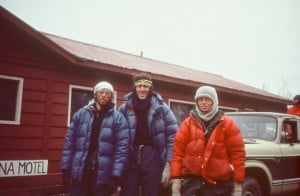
(256, 127)
(289, 132)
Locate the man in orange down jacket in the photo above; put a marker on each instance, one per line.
(295, 109)
(209, 153)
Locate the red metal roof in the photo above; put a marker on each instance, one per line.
(120, 59)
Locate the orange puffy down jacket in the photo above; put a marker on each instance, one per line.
(295, 110)
(223, 158)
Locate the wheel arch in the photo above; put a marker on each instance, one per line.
(261, 173)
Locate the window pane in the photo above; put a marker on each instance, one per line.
(8, 98)
(256, 127)
(181, 110)
(80, 98)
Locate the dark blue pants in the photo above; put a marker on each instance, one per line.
(143, 174)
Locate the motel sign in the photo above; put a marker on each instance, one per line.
(23, 168)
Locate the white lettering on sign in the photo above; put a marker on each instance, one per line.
(23, 168)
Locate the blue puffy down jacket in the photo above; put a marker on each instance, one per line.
(113, 145)
(162, 124)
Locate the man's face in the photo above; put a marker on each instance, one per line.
(288, 131)
(142, 91)
(204, 104)
(103, 96)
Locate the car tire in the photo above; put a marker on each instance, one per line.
(251, 187)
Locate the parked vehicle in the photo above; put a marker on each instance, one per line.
(272, 155)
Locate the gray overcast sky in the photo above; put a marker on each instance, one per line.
(256, 42)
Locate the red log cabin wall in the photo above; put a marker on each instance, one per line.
(40, 135)
(44, 113)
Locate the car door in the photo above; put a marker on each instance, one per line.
(290, 161)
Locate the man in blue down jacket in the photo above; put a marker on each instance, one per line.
(96, 146)
(153, 127)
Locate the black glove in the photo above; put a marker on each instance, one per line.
(112, 184)
(66, 175)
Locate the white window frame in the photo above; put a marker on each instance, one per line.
(71, 87)
(232, 109)
(17, 118)
(248, 110)
(180, 101)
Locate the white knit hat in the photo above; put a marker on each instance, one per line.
(207, 91)
(102, 85)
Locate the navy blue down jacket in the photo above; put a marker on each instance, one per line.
(113, 145)
(162, 124)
